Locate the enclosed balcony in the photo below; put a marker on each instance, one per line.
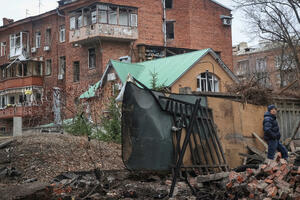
(19, 45)
(21, 74)
(105, 21)
(21, 102)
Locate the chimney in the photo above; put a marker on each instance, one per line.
(7, 21)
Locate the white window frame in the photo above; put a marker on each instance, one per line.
(62, 33)
(48, 68)
(214, 81)
(3, 49)
(38, 39)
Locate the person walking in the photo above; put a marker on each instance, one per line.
(272, 134)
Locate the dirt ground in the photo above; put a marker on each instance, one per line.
(45, 156)
(56, 166)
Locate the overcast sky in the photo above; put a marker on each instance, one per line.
(19, 9)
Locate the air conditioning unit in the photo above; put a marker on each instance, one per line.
(46, 48)
(226, 20)
(33, 50)
(111, 77)
(60, 77)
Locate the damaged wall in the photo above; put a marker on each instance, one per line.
(235, 123)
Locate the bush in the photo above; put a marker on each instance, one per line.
(79, 126)
(110, 124)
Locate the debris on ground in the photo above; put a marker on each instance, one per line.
(45, 156)
(275, 179)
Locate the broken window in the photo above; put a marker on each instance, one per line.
(72, 23)
(62, 65)
(12, 100)
(94, 16)
(133, 20)
(207, 82)
(76, 71)
(25, 69)
(170, 30)
(87, 19)
(3, 101)
(261, 65)
(48, 37)
(102, 13)
(92, 58)
(112, 14)
(242, 68)
(62, 33)
(123, 17)
(48, 69)
(20, 70)
(37, 69)
(3, 49)
(169, 3)
(38, 39)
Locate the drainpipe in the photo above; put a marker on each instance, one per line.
(164, 22)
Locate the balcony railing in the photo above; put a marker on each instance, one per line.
(20, 111)
(105, 31)
(17, 82)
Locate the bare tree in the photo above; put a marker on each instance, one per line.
(277, 21)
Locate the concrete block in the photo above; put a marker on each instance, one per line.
(17, 126)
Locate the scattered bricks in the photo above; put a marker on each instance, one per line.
(278, 173)
(262, 166)
(261, 185)
(285, 172)
(252, 186)
(268, 170)
(271, 190)
(240, 178)
(284, 186)
(251, 196)
(282, 194)
(269, 181)
(283, 166)
(249, 172)
(292, 181)
(229, 185)
(298, 189)
(283, 161)
(232, 176)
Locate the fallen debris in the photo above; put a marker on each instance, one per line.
(6, 143)
(274, 179)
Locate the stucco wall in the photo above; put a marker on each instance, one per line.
(189, 79)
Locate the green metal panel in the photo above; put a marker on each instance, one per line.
(168, 69)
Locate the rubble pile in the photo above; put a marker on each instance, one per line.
(275, 179)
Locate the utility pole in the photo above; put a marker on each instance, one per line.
(27, 13)
(40, 4)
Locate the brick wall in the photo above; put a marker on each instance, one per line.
(198, 25)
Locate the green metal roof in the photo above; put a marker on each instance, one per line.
(168, 69)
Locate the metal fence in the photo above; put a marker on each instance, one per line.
(288, 116)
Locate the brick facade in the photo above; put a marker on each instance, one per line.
(197, 25)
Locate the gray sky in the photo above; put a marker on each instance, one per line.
(19, 9)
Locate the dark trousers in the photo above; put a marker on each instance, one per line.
(274, 145)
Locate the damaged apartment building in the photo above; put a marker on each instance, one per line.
(271, 64)
(48, 60)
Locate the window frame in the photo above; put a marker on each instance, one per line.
(62, 33)
(62, 65)
(38, 38)
(89, 56)
(3, 48)
(170, 3)
(76, 71)
(48, 65)
(214, 82)
(173, 28)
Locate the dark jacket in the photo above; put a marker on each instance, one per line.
(271, 128)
